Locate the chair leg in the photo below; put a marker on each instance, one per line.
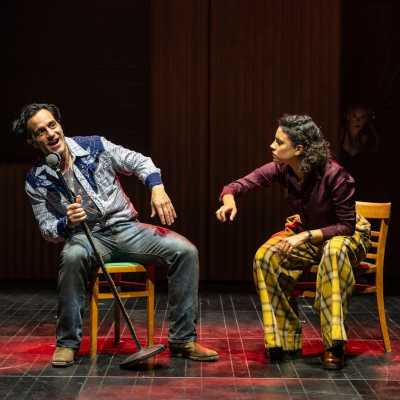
(382, 317)
(94, 320)
(150, 305)
(117, 323)
(117, 312)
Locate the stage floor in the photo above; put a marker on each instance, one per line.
(229, 322)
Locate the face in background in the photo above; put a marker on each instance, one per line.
(356, 120)
(46, 133)
(283, 149)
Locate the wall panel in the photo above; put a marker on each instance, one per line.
(180, 109)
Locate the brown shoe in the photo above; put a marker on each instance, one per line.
(193, 351)
(63, 357)
(333, 359)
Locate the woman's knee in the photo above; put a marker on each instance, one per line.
(264, 254)
(336, 247)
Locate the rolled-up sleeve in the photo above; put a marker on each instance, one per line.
(262, 176)
(130, 162)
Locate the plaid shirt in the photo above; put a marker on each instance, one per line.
(96, 162)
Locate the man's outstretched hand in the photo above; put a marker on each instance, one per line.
(162, 206)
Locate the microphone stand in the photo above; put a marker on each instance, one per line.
(143, 352)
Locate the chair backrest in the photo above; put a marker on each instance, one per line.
(379, 215)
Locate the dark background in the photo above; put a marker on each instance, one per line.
(198, 85)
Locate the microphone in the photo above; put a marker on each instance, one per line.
(53, 160)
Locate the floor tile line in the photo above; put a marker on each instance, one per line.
(226, 334)
(233, 378)
(240, 334)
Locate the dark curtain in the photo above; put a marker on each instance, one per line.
(207, 79)
(371, 75)
(222, 72)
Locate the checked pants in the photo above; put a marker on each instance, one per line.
(275, 278)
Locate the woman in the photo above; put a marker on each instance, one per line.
(358, 135)
(359, 145)
(322, 231)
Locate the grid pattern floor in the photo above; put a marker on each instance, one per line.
(229, 322)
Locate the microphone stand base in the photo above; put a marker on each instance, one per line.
(143, 354)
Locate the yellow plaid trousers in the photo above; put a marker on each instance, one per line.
(275, 278)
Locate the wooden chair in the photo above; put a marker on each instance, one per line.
(126, 289)
(379, 215)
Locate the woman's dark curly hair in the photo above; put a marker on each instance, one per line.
(302, 130)
(19, 126)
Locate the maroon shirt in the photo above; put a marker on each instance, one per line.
(325, 200)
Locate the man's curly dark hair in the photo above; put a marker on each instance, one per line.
(19, 125)
(302, 130)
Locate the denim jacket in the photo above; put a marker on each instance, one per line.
(96, 163)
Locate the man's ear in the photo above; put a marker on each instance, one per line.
(30, 141)
(299, 149)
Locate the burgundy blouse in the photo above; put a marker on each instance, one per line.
(325, 200)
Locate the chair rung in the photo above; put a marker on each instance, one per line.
(123, 294)
(123, 284)
(123, 264)
(121, 270)
(360, 288)
(366, 267)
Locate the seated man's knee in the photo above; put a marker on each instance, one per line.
(181, 248)
(189, 250)
(74, 256)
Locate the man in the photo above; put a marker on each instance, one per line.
(90, 166)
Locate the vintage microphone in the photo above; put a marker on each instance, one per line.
(53, 160)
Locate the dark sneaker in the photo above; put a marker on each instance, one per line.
(333, 358)
(63, 357)
(193, 351)
(275, 354)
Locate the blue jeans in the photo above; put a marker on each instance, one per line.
(128, 241)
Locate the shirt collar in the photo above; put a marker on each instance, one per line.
(75, 149)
